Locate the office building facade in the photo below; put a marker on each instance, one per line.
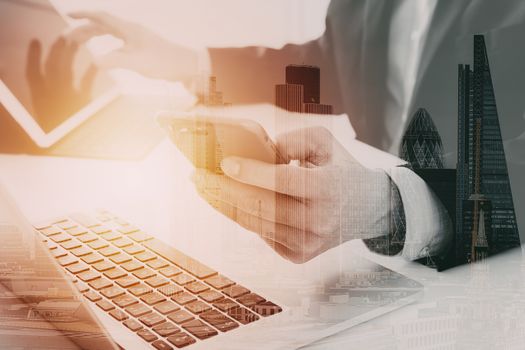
(485, 218)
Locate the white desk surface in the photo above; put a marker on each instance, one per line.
(478, 307)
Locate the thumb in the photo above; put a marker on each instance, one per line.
(315, 145)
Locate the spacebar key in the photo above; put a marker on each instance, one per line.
(180, 259)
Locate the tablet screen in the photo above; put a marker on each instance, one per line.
(56, 87)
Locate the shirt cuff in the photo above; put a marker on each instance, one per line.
(428, 225)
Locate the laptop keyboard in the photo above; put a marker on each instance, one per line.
(162, 295)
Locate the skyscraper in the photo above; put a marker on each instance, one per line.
(301, 93)
(307, 76)
(289, 97)
(421, 145)
(485, 217)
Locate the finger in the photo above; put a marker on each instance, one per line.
(293, 244)
(256, 201)
(315, 145)
(54, 60)
(113, 25)
(86, 83)
(33, 66)
(281, 178)
(70, 50)
(84, 33)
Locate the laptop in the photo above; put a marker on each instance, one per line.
(96, 281)
(107, 124)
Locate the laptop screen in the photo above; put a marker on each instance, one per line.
(51, 84)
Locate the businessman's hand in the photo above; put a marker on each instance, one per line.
(304, 209)
(53, 92)
(144, 51)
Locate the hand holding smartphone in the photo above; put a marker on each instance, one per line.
(205, 141)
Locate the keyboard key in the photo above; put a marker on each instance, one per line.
(115, 273)
(50, 245)
(181, 340)
(235, 291)
(111, 236)
(211, 296)
(132, 265)
(93, 296)
(152, 319)
(76, 231)
(156, 281)
(144, 273)
(120, 258)
(92, 258)
(219, 320)
(67, 260)
(125, 300)
(199, 329)
(66, 225)
(138, 310)
(87, 237)
(134, 249)
(196, 287)
(180, 316)
(198, 307)
(81, 286)
(84, 220)
(242, 315)
(89, 275)
(98, 244)
(112, 292)
(81, 251)
(165, 329)
(61, 237)
(127, 229)
(139, 289)
(122, 242)
(170, 271)
(119, 315)
(219, 281)
(183, 298)
(139, 237)
(127, 281)
(109, 251)
(267, 308)
(182, 279)
(78, 267)
(145, 256)
(166, 307)
(133, 324)
(178, 258)
(225, 304)
(147, 335)
(103, 265)
(100, 229)
(249, 300)
(152, 298)
(100, 283)
(170, 289)
(59, 252)
(71, 244)
(161, 345)
(157, 263)
(105, 305)
(50, 231)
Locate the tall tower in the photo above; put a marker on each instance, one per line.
(421, 145)
(307, 76)
(484, 197)
(302, 91)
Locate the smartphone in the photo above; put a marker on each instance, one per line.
(205, 141)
